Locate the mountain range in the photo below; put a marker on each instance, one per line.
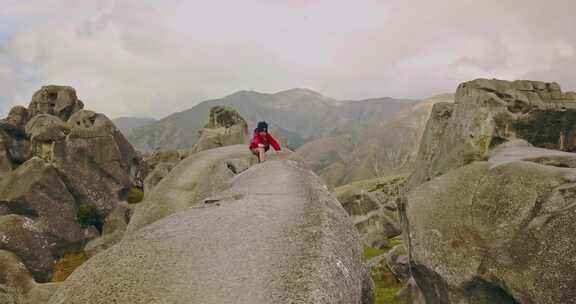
(382, 148)
(295, 116)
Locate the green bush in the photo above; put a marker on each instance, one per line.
(135, 195)
(89, 215)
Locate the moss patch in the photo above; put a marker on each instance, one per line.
(385, 283)
(66, 265)
(371, 252)
(135, 195)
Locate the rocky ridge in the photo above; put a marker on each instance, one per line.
(57, 161)
(490, 214)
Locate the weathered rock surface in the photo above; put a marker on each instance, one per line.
(46, 128)
(96, 160)
(16, 121)
(504, 234)
(225, 127)
(113, 230)
(160, 171)
(43, 131)
(200, 175)
(520, 150)
(372, 207)
(292, 243)
(60, 101)
(10, 295)
(490, 220)
(13, 273)
(489, 112)
(35, 190)
(25, 238)
(398, 262)
(158, 164)
(14, 146)
(55, 156)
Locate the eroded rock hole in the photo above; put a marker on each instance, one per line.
(52, 96)
(232, 168)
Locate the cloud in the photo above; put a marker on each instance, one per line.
(149, 58)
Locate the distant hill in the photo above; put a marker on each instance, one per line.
(295, 115)
(380, 149)
(127, 124)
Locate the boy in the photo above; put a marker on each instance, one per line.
(262, 140)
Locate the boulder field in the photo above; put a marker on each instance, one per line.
(270, 233)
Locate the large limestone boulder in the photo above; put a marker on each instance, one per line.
(36, 190)
(53, 157)
(13, 273)
(16, 121)
(371, 205)
(6, 163)
(200, 175)
(275, 235)
(60, 101)
(489, 112)
(25, 238)
(225, 127)
(96, 160)
(500, 231)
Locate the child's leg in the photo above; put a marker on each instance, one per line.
(261, 154)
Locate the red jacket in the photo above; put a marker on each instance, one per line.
(267, 140)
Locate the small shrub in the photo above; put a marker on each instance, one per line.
(135, 195)
(88, 215)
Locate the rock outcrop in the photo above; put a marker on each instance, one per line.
(55, 158)
(489, 112)
(60, 101)
(483, 234)
(35, 190)
(372, 206)
(99, 163)
(225, 127)
(495, 221)
(292, 242)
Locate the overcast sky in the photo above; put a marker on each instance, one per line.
(151, 58)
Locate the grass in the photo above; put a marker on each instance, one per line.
(66, 265)
(385, 283)
(371, 252)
